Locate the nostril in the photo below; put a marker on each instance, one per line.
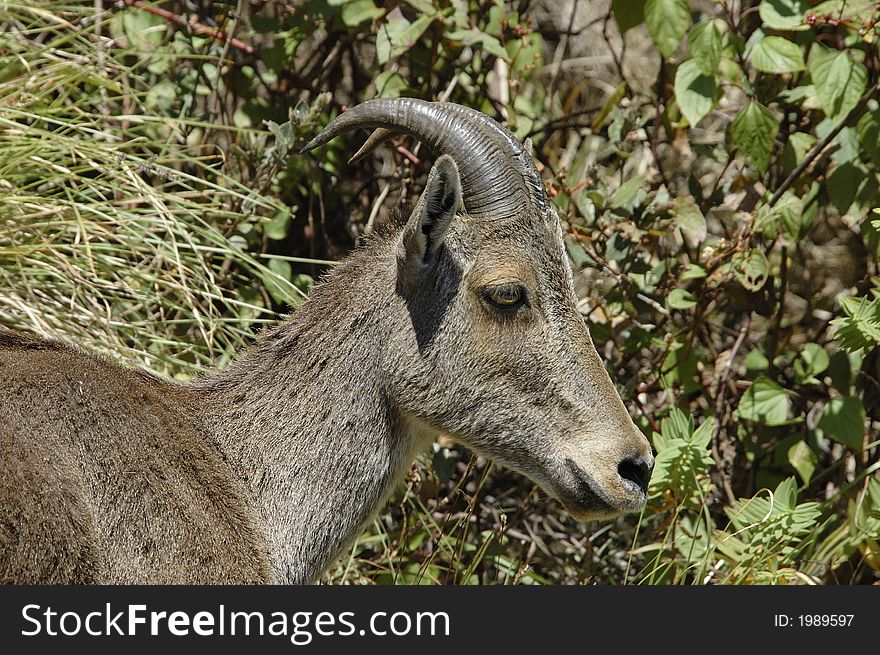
(637, 470)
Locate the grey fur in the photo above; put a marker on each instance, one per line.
(266, 471)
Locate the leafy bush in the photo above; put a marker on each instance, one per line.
(716, 169)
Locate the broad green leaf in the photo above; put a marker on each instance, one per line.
(704, 42)
(626, 193)
(784, 14)
(359, 11)
(796, 148)
(787, 214)
(144, 29)
(774, 54)
(843, 184)
(690, 220)
(813, 360)
(803, 460)
(752, 131)
(577, 254)
(476, 37)
(278, 226)
(756, 362)
(764, 402)
(424, 6)
(279, 285)
(843, 419)
(751, 269)
(628, 14)
(859, 11)
(397, 35)
(389, 84)
(680, 299)
(668, 21)
(791, 214)
(692, 272)
(839, 80)
(694, 91)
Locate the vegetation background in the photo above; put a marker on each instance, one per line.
(716, 166)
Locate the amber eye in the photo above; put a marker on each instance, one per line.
(506, 296)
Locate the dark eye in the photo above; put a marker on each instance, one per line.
(506, 297)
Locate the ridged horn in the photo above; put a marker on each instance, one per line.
(498, 177)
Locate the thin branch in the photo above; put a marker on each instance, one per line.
(192, 26)
(719, 406)
(853, 114)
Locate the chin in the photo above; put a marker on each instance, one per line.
(593, 513)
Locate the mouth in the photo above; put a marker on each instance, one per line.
(587, 501)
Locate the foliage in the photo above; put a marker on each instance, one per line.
(715, 166)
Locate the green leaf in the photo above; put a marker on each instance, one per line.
(397, 35)
(704, 42)
(785, 494)
(359, 11)
(764, 402)
(278, 285)
(677, 425)
(628, 14)
(839, 80)
(668, 21)
(695, 92)
(692, 272)
(144, 29)
(843, 184)
(752, 131)
(868, 129)
(774, 54)
(626, 193)
(860, 328)
(476, 37)
(691, 221)
(843, 419)
(756, 362)
(813, 361)
(796, 148)
(784, 14)
(751, 269)
(788, 212)
(680, 299)
(277, 227)
(803, 460)
(424, 6)
(390, 84)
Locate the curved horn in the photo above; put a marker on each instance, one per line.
(498, 177)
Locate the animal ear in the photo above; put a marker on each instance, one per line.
(432, 216)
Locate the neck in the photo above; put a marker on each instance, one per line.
(306, 422)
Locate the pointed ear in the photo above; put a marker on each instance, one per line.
(430, 220)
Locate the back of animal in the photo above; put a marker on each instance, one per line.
(106, 476)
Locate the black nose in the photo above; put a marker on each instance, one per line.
(636, 469)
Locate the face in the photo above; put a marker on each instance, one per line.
(511, 371)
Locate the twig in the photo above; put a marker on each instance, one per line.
(655, 134)
(719, 406)
(618, 60)
(192, 26)
(854, 113)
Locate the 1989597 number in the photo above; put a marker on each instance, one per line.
(813, 620)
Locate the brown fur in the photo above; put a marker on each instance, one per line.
(268, 470)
